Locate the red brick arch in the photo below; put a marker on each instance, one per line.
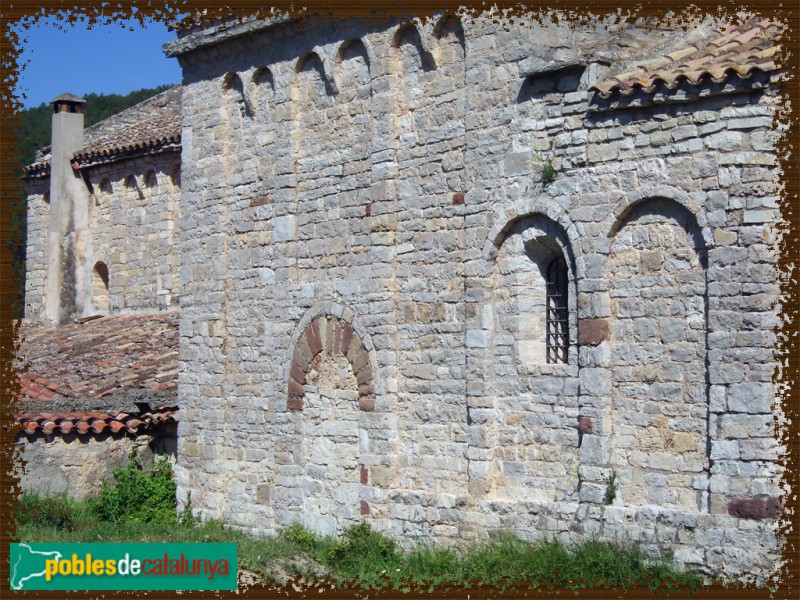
(334, 336)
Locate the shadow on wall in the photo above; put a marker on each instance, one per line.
(561, 81)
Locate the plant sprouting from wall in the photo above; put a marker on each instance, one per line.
(542, 163)
(611, 488)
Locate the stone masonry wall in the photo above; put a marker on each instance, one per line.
(38, 209)
(133, 215)
(133, 221)
(393, 179)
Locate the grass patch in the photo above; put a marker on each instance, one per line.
(368, 559)
(140, 507)
(57, 511)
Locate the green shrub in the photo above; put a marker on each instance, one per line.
(139, 496)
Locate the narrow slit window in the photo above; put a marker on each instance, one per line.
(557, 311)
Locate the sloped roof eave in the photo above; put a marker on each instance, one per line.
(96, 422)
(87, 160)
(741, 51)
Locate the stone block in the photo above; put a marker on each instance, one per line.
(723, 237)
(477, 339)
(264, 494)
(724, 449)
(383, 476)
(754, 508)
(294, 402)
(595, 382)
(345, 338)
(594, 450)
(364, 376)
(593, 493)
(684, 442)
(366, 402)
(593, 332)
(750, 397)
(297, 374)
(313, 338)
(652, 261)
(284, 228)
(585, 425)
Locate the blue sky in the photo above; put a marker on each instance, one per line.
(104, 59)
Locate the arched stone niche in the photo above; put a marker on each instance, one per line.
(659, 397)
(525, 419)
(100, 287)
(331, 354)
(332, 400)
(234, 99)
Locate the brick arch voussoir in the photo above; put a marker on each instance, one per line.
(333, 335)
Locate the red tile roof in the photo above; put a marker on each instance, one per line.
(95, 422)
(99, 357)
(153, 125)
(88, 365)
(735, 49)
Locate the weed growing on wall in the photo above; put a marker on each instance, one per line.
(549, 172)
(611, 488)
(543, 163)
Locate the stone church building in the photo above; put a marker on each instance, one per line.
(450, 276)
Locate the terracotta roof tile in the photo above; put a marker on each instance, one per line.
(95, 422)
(741, 49)
(99, 357)
(152, 125)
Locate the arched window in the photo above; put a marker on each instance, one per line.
(535, 299)
(557, 311)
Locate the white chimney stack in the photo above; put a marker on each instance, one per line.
(68, 200)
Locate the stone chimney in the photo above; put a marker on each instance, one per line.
(68, 210)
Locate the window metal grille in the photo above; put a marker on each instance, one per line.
(557, 311)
